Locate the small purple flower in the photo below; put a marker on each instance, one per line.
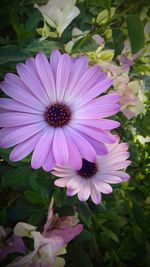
(58, 231)
(54, 113)
(125, 62)
(11, 245)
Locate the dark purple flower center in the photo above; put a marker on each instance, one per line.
(88, 169)
(58, 115)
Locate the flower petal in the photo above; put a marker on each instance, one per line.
(77, 71)
(99, 147)
(33, 83)
(19, 94)
(11, 119)
(42, 148)
(101, 123)
(49, 162)
(63, 72)
(15, 79)
(24, 260)
(94, 111)
(25, 148)
(13, 105)
(102, 186)
(54, 59)
(17, 135)
(122, 175)
(71, 192)
(60, 148)
(110, 98)
(86, 82)
(97, 134)
(45, 73)
(95, 91)
(85, 191)
(74, 153)
(83, 145)
(62, 182)
(30, 62)
(118, 166)
(75, 182)
(108, 178)
(95, 195)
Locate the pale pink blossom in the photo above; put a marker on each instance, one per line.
(44, 254)
(94, 177)
(50, 244)
(66, 227)
(126, 58)
(131, 99)
(10, 244)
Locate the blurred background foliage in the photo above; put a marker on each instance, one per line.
(117, 232)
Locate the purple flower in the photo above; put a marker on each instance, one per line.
(52, 111)
(44, 254)
(125, 62)
(10, 245)
(58, 231)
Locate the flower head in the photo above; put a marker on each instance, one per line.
(44, 254)
(66, 227)
(131, 100)
(59, 13)
(94, 177)
(52, 111)
(11, 244)
(58, 231)
(126, 58)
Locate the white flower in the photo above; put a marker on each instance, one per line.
(59, 13)
(46, 250)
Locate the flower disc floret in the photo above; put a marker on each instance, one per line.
(88, 169)
(58, 115)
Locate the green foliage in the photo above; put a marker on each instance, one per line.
(136, 33)
(117, 232)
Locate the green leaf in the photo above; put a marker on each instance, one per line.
(14, 176)
(3, 217)
(100, 3)
(110, 234)
(33, 21)
(85, 235)
(79, 257)
(20, 211)
(85, 213)
(136, 33)
(42, 46)
(12, 53)
(58, 196)
(86, 44)
(35, 198)
(37, 216)
(15, 21)
(126, 250)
